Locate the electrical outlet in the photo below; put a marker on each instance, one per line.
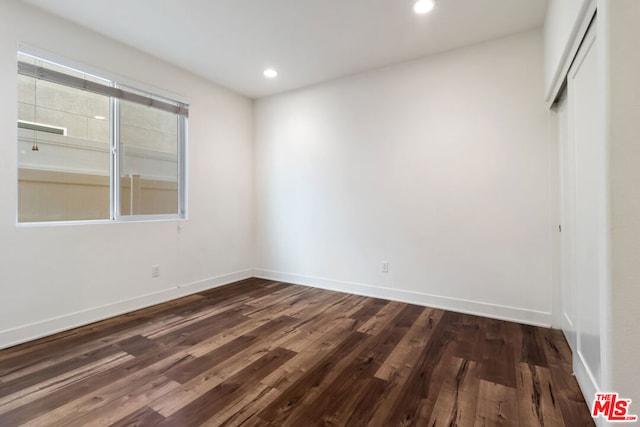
(385, 267)
(155, 271)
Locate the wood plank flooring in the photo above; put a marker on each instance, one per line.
(261, 353)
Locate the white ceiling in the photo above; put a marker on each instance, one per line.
(231, 42)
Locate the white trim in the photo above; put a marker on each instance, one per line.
(587, 383)
(585, 377)
(553, 184)
(567, 320)
(25, 333)
(571, 49)
(129, 219)
(495, 311)
(603, 46)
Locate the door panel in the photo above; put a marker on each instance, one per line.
(586, 154)
(567, 221)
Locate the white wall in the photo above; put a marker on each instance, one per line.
(55, 277)
(564, 27)
(442, 166)
(621, 67)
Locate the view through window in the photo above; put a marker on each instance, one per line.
(78, 132)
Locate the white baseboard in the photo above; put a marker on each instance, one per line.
(21, 334)
(495, 311)
(587, 382)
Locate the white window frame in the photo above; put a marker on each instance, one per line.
(114, 147)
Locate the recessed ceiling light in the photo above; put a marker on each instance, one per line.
(99, 117)
(270, 73)
(423, 6)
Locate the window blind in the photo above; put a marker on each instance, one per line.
(47, 74)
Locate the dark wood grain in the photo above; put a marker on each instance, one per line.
(144, 416)
(264, 353)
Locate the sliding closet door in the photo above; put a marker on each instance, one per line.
(567, 220)
(584, 204)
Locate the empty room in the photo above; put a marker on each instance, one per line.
(319, 212)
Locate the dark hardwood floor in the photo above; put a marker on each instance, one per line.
(260, 353)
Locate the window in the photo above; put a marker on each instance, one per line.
(92, 149)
